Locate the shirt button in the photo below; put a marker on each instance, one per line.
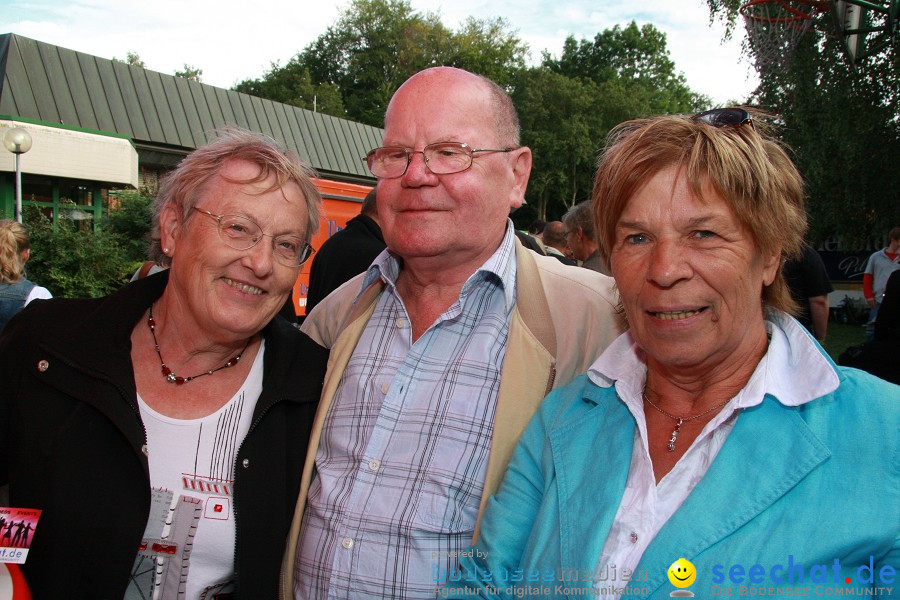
(401, 323)
(385, 388)
(374, 464)
(347, 543)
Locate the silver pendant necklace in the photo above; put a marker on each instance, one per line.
(680, 420)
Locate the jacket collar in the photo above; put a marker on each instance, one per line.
(98, 342)
(369, 224)
(97, 337)
(784, 456)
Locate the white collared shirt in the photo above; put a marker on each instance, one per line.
(646, 506)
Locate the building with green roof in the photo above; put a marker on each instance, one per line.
(99, 125)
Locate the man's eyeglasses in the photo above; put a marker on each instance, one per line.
(725, 117)
(442, 158)
(240, 233)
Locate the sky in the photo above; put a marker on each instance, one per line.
(232, 41)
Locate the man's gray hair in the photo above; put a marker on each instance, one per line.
(580, 215)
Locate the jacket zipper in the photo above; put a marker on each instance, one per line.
(233, 494)
(551, 380)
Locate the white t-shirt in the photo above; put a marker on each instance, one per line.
(38, 293)
(187, 550)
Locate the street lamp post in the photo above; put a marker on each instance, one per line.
(17, 141)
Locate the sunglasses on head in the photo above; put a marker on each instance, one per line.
(725, 117)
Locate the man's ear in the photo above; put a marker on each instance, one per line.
(521, 171)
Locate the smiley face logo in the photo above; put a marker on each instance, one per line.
(682, 573)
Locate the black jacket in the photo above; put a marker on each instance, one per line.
(343, 256)
(73, 444)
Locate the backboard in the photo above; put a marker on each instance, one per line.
(865, 27)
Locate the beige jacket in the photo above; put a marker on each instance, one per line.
(563, 319)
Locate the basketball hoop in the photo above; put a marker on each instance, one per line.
(774, 28)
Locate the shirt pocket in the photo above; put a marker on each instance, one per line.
(448, 490)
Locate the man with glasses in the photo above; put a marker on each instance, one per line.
(440, 352)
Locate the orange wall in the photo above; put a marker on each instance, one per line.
(338, 208)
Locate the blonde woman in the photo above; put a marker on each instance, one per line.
(15, 290)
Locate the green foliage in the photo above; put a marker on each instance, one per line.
(844, 127)
(72, 260)
(562, 122)
(130, 217)
(132, 58)
(190, 72)
(374, 47)
(636, 62)
(568, 105)
(292, 84)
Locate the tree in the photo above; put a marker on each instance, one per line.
(75, 262)
(561, 120)
(132, 58)
(73, 259)
(844, 127)
(293, 85)
(375, 45)
(190, 72)
(568, 105)
(638, 60)
(130, 215)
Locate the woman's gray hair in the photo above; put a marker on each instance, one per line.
(183, 186)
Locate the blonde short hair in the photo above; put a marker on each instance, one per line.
(749, 170)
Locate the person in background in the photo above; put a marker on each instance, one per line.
(16, 291)
(555, 242)
(161, 430)
(346, 254)
(878, 356)
(808, 282)
(440, 351)
(530, 242)
(581, 238)
(536, 229)
(715, 429)
(878, 268)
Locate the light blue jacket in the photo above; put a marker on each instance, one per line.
(807, 484)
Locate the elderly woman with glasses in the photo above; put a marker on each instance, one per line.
(715, 430)
(162, 430)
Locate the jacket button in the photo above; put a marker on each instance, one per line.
(43, 365)
(245, 463)
(144, 450)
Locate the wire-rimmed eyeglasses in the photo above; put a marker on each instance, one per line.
(241, 233)
(725, 117)
(443, 158)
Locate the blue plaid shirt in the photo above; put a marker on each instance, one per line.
(404, 450)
